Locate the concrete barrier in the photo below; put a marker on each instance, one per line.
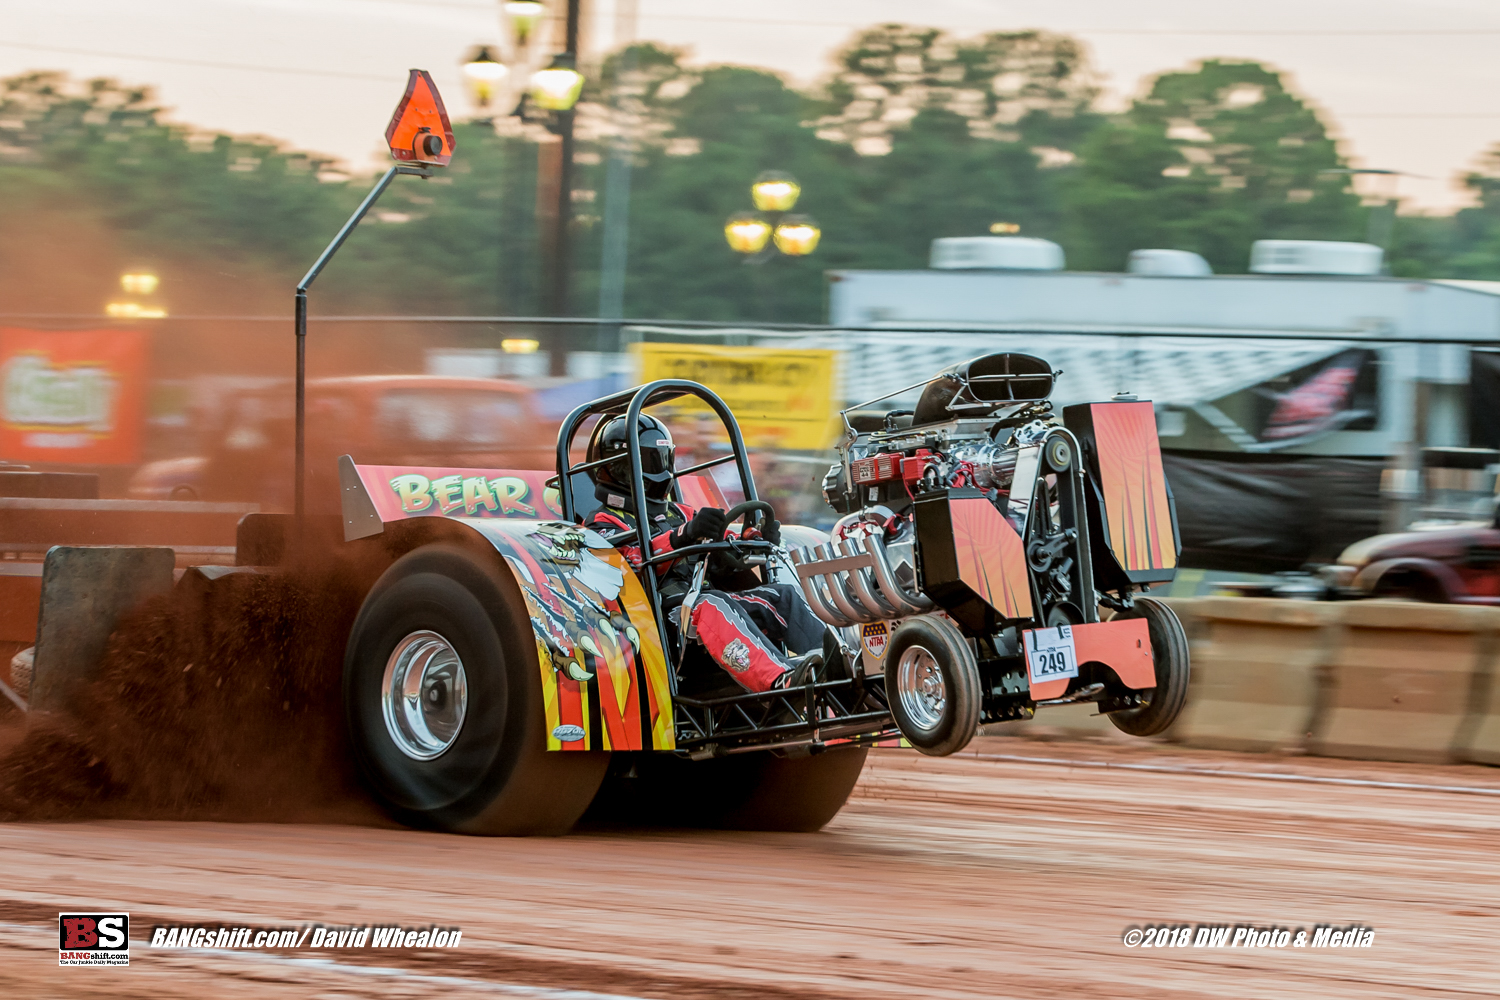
(1257, 667)
(1479, 740)
(1403, 680)
(1371, 680)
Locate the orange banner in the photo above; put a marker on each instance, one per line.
(72, 397)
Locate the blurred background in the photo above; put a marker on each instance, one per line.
(1280, 224)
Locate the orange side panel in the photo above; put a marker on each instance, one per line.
(1123, 645)
(991, 557)
(1134, 486)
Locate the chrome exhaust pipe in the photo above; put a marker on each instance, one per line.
(861, 582)
(803, 557)
(890, 588)
(851, 582)
(839, 591)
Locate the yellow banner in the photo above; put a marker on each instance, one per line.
(781, 398)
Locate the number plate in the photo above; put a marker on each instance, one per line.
(1050, 653)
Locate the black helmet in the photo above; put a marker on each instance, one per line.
(610, 438)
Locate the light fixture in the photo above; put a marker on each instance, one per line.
(797, 236)
(747, 233)
(133, 310)
(519, 345)
(557, 87)
(524, 15)
(775, 192)
(139, 283)
(1005, 228)
(483, 73)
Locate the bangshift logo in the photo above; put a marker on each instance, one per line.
(93, 939)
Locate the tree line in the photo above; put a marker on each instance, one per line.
(914, 135)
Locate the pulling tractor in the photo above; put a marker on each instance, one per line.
(508, 672)
(509, 669)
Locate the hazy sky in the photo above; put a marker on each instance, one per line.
(1409, 86)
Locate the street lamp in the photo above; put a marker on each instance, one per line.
(483, 73)
(139, 283)
(775, 192)
(754, 234)
(797, 236)
(557, 87)
(747, 233)
(524, 15)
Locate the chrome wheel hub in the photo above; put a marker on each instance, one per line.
(919, 685)
(424, 695)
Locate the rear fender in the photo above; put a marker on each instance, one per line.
(605, 680)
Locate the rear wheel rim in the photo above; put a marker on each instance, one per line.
(921, 688)
(424, 695)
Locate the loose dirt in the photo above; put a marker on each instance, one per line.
(220, 700)
(962, 878)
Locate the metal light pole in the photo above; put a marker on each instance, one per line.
(1381, 225)
(617, 185)
(1401, 486)
(420, 138)
(559, 265)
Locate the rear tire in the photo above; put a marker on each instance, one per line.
(932, 684)
(1169, 650)
(476, 760)
(750, 791)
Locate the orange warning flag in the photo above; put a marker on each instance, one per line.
(419, 131)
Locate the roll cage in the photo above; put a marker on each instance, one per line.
(806, 716)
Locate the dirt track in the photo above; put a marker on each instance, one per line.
(942, 878)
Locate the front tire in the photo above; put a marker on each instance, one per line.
(443, 699)
(932, 684)
(1169, 650)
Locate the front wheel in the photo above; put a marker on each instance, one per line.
(1169, 651)
(932, 684)
(442, 694)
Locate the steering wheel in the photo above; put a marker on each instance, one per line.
(740, 509)
(729, 549)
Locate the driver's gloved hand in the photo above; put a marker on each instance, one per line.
(771, 531)
(708, 525)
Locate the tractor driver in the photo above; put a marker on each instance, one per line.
(744, 629)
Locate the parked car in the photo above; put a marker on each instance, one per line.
(1451, 565)
(379, 419)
